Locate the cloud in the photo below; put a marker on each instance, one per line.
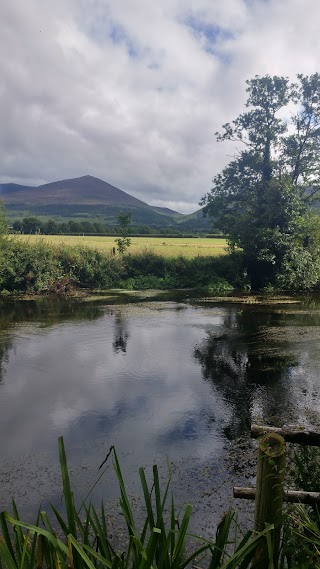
(133, 91)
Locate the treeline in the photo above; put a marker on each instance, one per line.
(36, 226)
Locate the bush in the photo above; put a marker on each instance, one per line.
(300, 270)
(42, 268)
(27, 268)
(89, 267)
(154, 271)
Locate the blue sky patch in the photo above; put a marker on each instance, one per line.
(119, 36)
(212, 36)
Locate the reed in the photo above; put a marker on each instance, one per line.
(81, 538)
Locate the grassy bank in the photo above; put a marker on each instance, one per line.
(164, 246)
(37, 265)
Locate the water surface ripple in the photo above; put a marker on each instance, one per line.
(168, 381)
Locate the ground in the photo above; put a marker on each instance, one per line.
(168, 247)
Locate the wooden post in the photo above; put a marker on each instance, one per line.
(269, 495)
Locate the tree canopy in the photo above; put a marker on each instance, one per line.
(3, 220)
(261, 199)
(124, 221)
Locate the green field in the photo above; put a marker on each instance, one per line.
(168, 247)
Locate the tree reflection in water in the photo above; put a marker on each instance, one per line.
(247, 364)
(6, 343)
(45, 312)
(121, 334)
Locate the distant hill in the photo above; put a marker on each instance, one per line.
(166, 211)
(87, 198)
(9, 188)
(195, 221)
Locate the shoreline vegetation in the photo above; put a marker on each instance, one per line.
(34, 265)
(82, 537)
(38, 266)
(157, 537)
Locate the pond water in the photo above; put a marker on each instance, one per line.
(173, 380)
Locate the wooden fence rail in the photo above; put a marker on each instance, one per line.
(269, 493)
(291, 496)
(290, 435)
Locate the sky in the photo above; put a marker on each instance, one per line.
(133, 91)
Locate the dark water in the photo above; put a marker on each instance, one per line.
(172, 381)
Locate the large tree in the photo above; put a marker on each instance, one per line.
(3, 221)
(262, 197)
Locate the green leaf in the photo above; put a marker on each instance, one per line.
(68, 496)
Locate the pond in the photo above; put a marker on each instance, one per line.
(175, 380)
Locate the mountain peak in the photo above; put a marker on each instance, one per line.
(88, 177)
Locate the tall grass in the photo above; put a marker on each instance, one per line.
(40, 267)
(162, 246)
(81, 539)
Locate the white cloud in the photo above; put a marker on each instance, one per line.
(132, 91)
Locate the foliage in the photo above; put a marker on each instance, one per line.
(3, 220)
(124, 221)
(83, 540)
(40, 267)
(122, 244)
(305, 539)
(261, 198)
(154, 271)
(42, 226)
(301, 532)
(25, 268)
(89, 268)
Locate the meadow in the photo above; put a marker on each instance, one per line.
(56, 264)
(166, 247)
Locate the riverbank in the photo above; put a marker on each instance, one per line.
(41, 268)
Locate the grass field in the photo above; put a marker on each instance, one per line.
(168, 247)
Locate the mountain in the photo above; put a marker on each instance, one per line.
(166, 211)
(85, 190)
(9, 188)
(86, 197)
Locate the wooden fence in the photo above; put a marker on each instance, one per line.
(269, 493)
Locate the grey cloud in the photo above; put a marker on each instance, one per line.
(138, 109)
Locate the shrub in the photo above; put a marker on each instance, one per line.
(27, 268)
(89, 267)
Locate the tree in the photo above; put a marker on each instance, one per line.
(50, 227)
(31, 225)
(260, 199)
(124, 221)
(75, 227)
(3, 220)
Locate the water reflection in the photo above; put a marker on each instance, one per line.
(155, 378)
(44, 312)
(6, 343)
(121, 334)
(47, 311)
(243, 356)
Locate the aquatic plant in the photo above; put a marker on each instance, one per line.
(82, 539)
